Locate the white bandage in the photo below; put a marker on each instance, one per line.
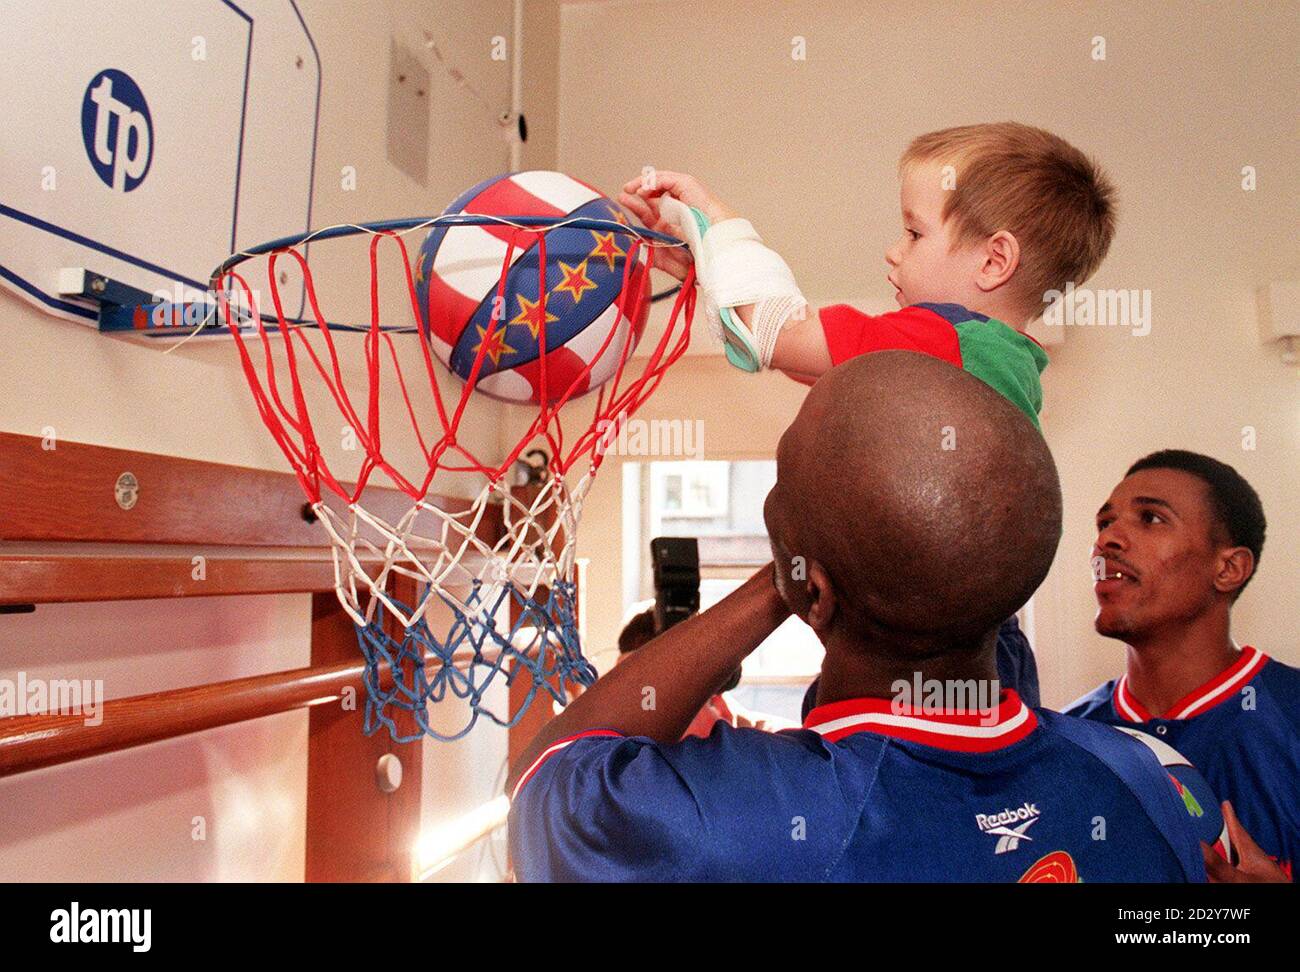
(770, 316)
(734, 269)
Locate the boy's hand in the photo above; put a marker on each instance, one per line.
(801, 352)
(680, 186)
(641, 196)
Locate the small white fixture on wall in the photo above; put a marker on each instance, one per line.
(1279, 316)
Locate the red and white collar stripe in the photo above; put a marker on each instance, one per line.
(970, 731)
(554, 748)
(1198, 701)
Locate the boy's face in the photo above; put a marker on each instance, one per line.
(925, 265)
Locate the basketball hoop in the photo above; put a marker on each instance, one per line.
(511, 596)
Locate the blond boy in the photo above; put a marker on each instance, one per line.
(994, 216)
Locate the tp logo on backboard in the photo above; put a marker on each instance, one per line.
(117, 129)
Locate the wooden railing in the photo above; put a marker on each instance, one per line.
(64, 537)
(34, 741)
(31, 742)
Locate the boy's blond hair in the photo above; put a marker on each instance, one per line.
(1056, 201)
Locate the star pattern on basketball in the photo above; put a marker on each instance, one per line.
(496, 344)
(530, 316)
(606, 249)
(554, 295)
(576, 282)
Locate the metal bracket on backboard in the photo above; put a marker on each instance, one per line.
(126, 310)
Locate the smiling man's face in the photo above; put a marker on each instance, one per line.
(1156, 555)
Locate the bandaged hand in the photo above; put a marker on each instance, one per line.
(732, 266)
(642, 195)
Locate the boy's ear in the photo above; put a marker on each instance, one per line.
(1001, 259)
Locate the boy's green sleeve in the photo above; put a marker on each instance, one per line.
(1005, 359)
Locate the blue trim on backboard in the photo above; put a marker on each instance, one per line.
(243, 118)
(236, 9)
(86, 241)
(53, 302)
(315, 131)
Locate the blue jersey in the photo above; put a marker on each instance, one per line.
(1017, 669)
(859, 794)
(1242, 731)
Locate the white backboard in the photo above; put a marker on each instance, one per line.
(145, 140)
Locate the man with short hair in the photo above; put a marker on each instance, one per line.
(904, 557)
(1178, 540)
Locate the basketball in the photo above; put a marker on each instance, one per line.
(458, 273)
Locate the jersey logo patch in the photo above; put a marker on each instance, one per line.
(1056, 868)
(1009, 825)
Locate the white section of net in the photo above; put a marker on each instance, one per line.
(445, 553)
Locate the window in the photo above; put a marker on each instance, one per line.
(695, 490)
(721, 504)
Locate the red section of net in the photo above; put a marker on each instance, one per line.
(311, 354)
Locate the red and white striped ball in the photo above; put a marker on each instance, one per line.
(459, 268)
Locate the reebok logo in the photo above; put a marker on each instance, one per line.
(1009, 825)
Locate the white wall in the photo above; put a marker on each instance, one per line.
(128, 816)
(1188, 94)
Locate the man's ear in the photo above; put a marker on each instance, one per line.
(822, 604)
(1236, 565)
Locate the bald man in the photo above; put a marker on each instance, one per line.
(904, 557)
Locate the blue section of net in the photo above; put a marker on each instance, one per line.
(408, 668)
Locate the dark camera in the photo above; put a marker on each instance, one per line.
(676, 563)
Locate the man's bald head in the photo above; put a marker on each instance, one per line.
(929, 500)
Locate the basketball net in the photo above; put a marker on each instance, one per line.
(501, 562)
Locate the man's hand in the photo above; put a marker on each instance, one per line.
(641, 196)
(1253, 865)
(679, 669)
